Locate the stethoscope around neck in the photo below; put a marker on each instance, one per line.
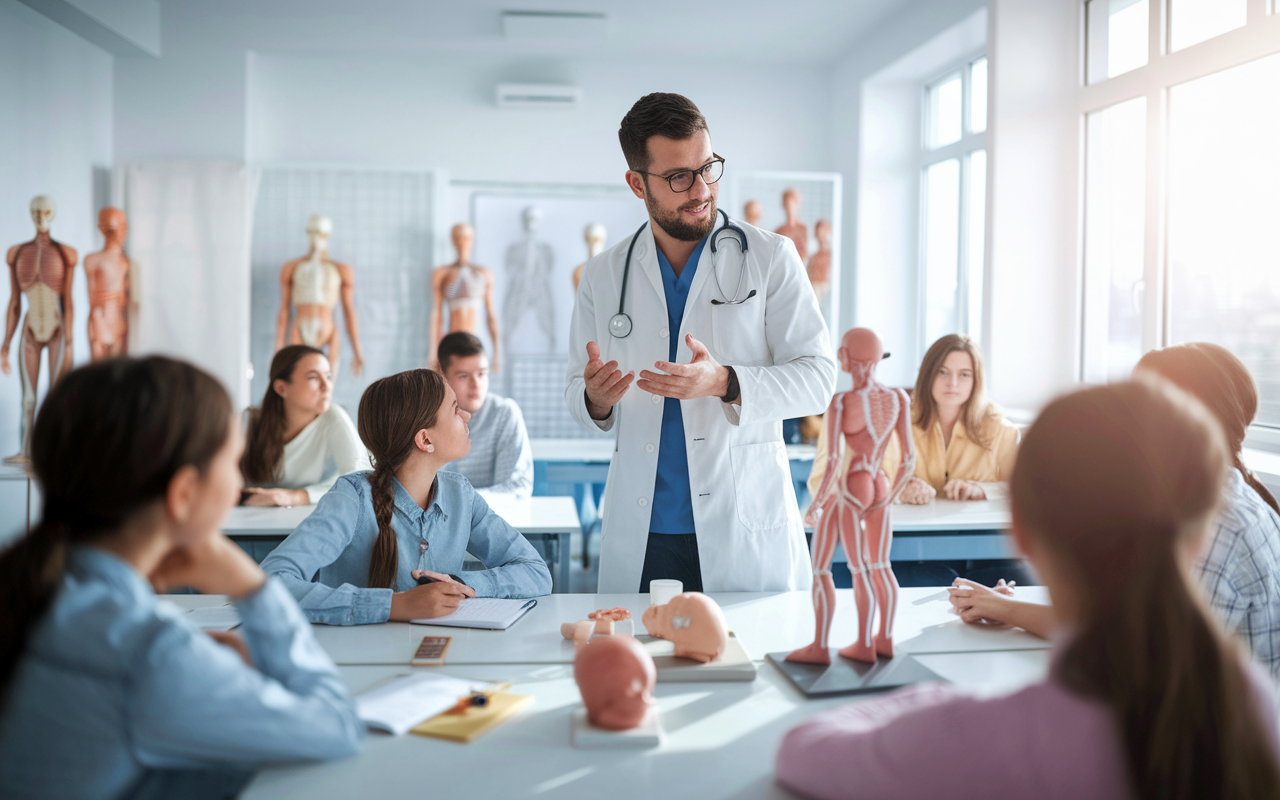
(620, 323)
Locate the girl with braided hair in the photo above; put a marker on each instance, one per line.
(358, 558)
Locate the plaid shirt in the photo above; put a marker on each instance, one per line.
(1240, 572)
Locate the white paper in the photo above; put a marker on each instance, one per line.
(214, 618)
(482, 612)
(402, 703)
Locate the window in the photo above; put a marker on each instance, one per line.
(1180, 204)
(953, 207)
(1117, 40)
(1194, 21)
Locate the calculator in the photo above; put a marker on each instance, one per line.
(431, 651)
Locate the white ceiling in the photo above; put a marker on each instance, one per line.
(794, 31)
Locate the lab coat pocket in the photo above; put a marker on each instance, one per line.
(739, 334)
(760, 476)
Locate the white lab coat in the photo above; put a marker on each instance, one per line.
(750, 536)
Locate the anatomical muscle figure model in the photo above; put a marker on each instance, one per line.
(42, 269)
(854, 505)
(793, 228)
(313, 285)
(107, 273)
(460, 288)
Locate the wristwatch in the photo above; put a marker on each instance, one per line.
(734, 390)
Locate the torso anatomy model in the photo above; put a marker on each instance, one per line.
(460, 288)
(529, 263)
(41, 269)
(793, 228)
(853, 507)
(108, 273)
(313, 285)
(819, 266)
(596, 236)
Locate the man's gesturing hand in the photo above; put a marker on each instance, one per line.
(701, 377)
(605, 383)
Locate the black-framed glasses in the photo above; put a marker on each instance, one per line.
(683, 180)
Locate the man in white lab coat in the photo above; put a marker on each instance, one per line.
(720, 333)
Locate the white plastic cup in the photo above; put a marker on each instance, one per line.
(662, 592)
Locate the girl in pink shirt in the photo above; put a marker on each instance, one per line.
(1112, 492)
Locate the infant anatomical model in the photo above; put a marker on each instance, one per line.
(693, 623)
(108, 273)
(853, 506)
(42, 269)
(459, 289)
(314, 285)
(615, 675)
(793, 228)
(596, 237)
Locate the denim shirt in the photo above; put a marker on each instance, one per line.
(116, 694)
(325, 561)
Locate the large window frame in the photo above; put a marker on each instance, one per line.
(1165, 70)
(962, 150)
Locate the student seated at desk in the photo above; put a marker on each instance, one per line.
(1239, 573)
(298, 442)
(1113, 493)
(357, 558)
(501, 461)
(964, 446)
(107, 691)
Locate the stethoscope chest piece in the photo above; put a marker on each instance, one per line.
(620, 326)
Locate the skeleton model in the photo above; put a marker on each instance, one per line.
(460, 288)
(529, 264)
(107, 273)
(41, 269)
(793, 228)
(854, 504)
(595, 236)
(314, 285)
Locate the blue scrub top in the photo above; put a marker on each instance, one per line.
(672, 498)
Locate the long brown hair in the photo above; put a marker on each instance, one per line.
(1223, 383)
(392, 411)
(976, 414)
(106, 444)
(1116, 483)
(264, 440)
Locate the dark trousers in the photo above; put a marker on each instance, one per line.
(672, 556)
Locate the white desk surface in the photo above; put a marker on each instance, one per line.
(721, 739)
(951, 515)
(536, 515)
(600, 451)
(765, 622)
(13, 472)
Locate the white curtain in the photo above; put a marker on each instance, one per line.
(189, 235)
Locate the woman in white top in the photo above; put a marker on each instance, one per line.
(298, 443)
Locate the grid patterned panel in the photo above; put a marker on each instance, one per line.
(382, 227)
(536, 383)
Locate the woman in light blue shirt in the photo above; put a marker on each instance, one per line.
(107, 691)
(358, 558)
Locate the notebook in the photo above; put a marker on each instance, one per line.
(401, 703)
(477, 721)
(490, 613)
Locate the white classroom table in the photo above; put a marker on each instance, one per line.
(765, 623)
(537, 517)
(19, 502)
(721, 737)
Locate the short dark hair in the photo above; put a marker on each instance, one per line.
(659, 114)
(458, 344)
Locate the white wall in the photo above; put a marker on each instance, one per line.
(403, 112)
(1036, 147)
(55, 139)
(890, 293)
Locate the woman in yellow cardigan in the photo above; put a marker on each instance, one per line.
(964, 446)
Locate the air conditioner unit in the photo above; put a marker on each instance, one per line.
(538, 95)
